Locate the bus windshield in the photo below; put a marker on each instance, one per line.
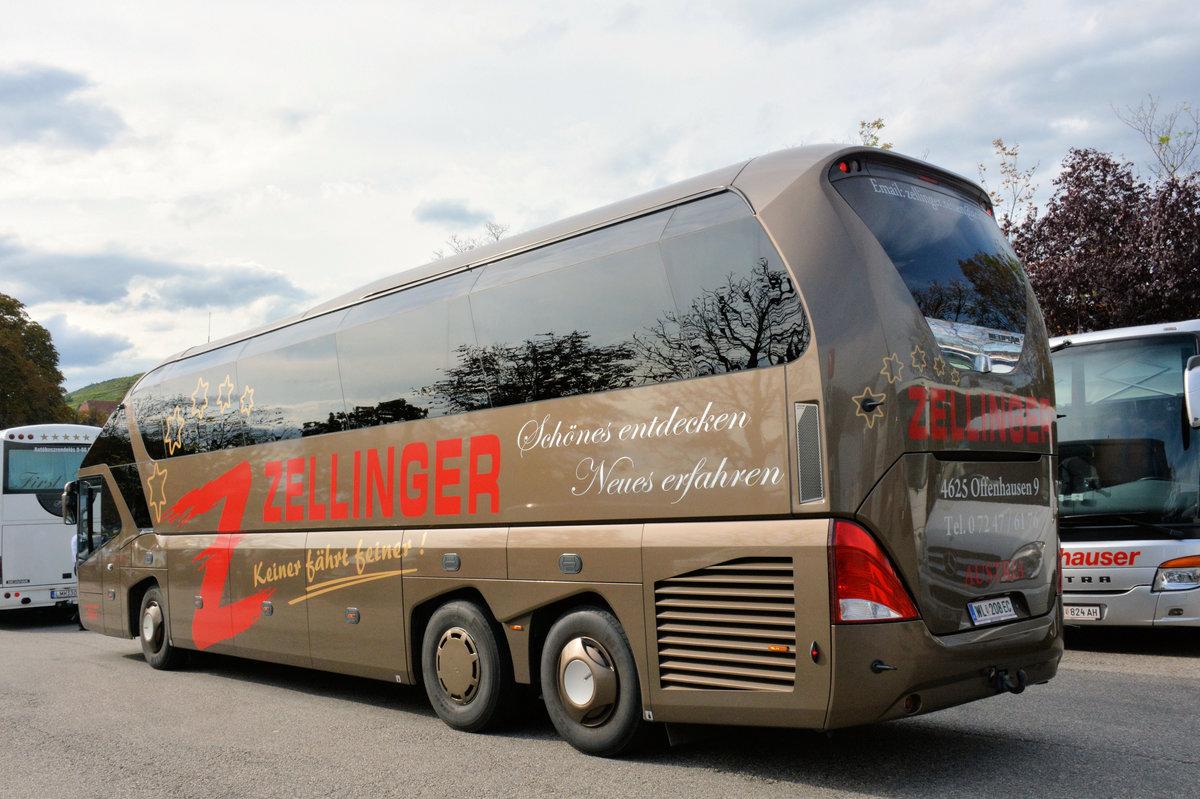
(33, 468)
(1126, 449)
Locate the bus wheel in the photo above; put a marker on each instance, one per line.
(590, 683)
(156, 644)
(467, 678)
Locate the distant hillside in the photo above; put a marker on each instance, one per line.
(112, 390)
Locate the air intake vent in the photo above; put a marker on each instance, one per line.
(808, 452)
(728, 627)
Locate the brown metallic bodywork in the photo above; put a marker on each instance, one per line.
(679, 499)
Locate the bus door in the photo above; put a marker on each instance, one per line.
(101, 600)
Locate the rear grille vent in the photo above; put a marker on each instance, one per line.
(728, 627)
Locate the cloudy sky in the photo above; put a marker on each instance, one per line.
(171, 171)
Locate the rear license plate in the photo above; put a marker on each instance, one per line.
(986, 611)
(64, 593)
(1081, 612)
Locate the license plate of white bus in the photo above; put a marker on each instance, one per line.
(986, 611)
(63, 593)
(1081, 612)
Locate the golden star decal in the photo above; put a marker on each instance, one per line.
(247, 400)
(892, 369)
(174, 437)
(157, 483)
(225, 394)
(201, 405)
(939, 366)
(955, 377)
(918, 359)
(870, 406)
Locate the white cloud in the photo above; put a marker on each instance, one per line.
(325, 148)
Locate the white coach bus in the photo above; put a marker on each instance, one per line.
(37, 554)
(1129, 474)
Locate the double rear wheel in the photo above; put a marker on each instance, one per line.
(590, 682)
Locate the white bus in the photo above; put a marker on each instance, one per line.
(37, 553)
(1129, 475)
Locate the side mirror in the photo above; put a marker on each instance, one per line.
(70, 503)
(1191, 390)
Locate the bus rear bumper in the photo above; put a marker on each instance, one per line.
(894, 670)
(14, 597)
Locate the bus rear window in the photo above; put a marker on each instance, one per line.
(952, 256)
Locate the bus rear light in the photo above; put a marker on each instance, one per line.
(1179, 574)
(864, 583)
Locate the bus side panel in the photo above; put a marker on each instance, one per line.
(355, 602)
(267, 570)
(734, 612)
(198, 592)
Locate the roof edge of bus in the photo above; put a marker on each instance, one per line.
(1134, 331)
(21, 428)
(758, 179)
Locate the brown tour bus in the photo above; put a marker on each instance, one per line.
(771, 446)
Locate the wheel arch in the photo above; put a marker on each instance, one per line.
(134, 604)
(543, 619)
(420, 615)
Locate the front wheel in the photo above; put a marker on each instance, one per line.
(155, 634)
(590, 683)
(467, 676)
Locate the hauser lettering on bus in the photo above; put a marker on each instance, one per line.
(944, 414)
(1077, 558)
(373, 485)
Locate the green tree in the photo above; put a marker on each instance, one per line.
(30, 383)
(1170, 135)
(869, 132)
(1016, 189)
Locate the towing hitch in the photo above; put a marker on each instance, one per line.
(1003, 681)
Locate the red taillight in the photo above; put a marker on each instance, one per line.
(864, 583)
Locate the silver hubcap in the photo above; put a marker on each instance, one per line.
(152, 624)
(587, 681)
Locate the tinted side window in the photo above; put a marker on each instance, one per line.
(113, 445)
(569, 331)
(130, 486)
(293, 391)
(193, 412)
(390, 365)
(738, 306)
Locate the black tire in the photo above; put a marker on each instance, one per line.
(466, 671)
(155, 635)
(590, 683)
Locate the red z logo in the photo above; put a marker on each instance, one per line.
(214, 622)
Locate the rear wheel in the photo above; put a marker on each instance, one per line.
(155, 634)
(590, 682)
(467, 677)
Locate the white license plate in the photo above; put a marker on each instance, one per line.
(1081, 612)
(64, 593)
(986, 611)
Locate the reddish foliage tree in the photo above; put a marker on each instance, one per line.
(1112, 251)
